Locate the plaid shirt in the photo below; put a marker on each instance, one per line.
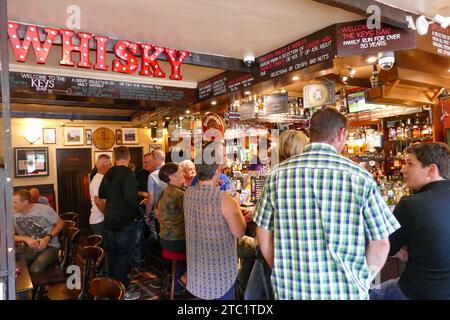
(323, 208)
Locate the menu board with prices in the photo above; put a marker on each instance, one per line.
(226, 82)
(256, 187)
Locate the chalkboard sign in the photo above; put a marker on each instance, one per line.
(276, 103)
(256, 187)
(24, 82)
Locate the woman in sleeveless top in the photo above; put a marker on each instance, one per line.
(213, 221)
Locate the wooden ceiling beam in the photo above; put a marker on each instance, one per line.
(390, 15)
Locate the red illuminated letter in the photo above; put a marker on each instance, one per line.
(150, 61)
(68, 48)
(122, 53)
(175, 62)
(31, 37)
(101, 53)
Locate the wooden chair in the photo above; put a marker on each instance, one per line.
(57, 274)
(70, 215)
(94, 240)
(106, 288)
(93, 258)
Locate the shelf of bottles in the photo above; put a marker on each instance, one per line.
(364, 144)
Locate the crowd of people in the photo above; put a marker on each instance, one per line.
(323, 230)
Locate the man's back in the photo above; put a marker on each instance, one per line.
(425, 220)
(323, 209)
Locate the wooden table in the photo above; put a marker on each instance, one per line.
(23, 281)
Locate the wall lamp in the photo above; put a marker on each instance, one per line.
(32, 135)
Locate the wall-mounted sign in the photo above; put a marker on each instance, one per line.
(213, 126)
(276, 103)
(436, 41)
(248, 110)
(124, 50)
(319, 94)
(354, 38)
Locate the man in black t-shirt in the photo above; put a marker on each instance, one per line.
(119, 188)
(424, 237)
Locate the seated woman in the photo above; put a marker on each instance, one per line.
(170, 215)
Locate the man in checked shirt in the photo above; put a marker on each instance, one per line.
(323, 225)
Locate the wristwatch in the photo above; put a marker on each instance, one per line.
(49, 235)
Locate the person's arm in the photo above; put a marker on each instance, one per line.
(143, 194)
(233, 216)
(265, 241)
(100, 203)
(151, 195)
(28, 240)
(59, 225)
(376, 255)
(401, 236)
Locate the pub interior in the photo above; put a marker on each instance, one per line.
(73, 95)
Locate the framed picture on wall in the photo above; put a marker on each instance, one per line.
(49, 135)
(99, 153)
(129, 135)
(31, 162)
(73, 136)
(88, 133)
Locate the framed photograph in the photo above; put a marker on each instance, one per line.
(129, 135)
(73, 136)
(31, 162)
(88, 133)
(49, 135)
(99, 153)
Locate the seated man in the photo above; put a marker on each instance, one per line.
(37, 198)
(37, 225)
(425, 224)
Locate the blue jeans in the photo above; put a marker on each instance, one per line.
(120, 247)
(388, 290)
(139, 244)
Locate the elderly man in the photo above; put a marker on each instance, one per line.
(37, 198)
(37, 225)
(188, 168)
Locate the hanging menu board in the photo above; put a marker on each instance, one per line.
(316, 48)
(276, 103)
(72, 86)
(354, 38)
(223, 83)
(436, 41)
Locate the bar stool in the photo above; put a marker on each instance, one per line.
(174, 257)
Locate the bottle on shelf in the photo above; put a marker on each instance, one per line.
(408, 134)
(415, 131)
(391, 199)
(400, 130)
(426, 130)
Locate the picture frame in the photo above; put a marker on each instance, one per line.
(73, 136)
(99, 153)
(88, 136)
(31, 162)
(49, 135)
(130, 136)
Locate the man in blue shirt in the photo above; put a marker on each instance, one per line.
(224, 183)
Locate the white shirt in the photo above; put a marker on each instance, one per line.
(96, 215)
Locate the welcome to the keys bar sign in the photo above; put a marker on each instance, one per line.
(124, 50)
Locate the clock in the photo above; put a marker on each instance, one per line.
(103, 138)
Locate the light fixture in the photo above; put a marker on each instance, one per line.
(32, 135)
(187, 111)
(371, 59)
(351, 71)
(167, 118)
(283, 90)
(295, 78)
(247, 92)
(180, 118)
(213, 103)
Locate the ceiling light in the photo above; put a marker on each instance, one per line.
(187, 111)
(283, 90)
(295, 78)
(371, 59)
(167, 118)
(352, 71)
(344, 78)
(247, 93)
(213, 103)
(180, 118)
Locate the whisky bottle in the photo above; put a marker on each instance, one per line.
(415, 131)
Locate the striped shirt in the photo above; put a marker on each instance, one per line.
(322, 208)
